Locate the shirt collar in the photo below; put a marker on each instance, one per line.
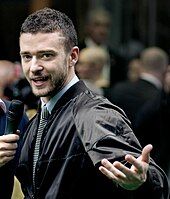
(2, 105)
(152, 79)
(50, 105)
(90, 43)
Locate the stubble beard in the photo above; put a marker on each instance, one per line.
(54, 86)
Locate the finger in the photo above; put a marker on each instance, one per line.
(135, 162)
(110, 171)
(146, 153)
(125, 170)
(9, 138)
(4, 160)
(8, 153)
(8, 146)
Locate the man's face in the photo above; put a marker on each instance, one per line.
(99, 29)
(88, 66)
(45, 63)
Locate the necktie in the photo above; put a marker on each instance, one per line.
(42, 123)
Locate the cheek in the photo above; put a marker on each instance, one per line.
(25, 69)
(57, 70)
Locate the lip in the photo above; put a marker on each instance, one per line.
(39, 81)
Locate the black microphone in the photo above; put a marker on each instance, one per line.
(14, 115)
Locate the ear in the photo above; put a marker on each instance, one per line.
(74, 56)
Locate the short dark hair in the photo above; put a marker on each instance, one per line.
(48, 20)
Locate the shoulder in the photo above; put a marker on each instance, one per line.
(7, 103)
(122, 87)
(97, 110)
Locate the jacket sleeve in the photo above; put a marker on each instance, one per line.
(107, 134)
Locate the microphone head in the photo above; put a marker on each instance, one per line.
(15, 109)
(14, 116)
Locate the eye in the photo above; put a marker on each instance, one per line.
(46, 56)
(26, 57)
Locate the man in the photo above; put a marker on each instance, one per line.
(131, 96)
(83, 129)
(152, 124)
(97, 30)
(89, 68)
(7, 172)
(7, 76)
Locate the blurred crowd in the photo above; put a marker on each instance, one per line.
(13, 85)
(140, 85)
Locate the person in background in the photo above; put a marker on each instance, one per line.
(86, 148)
(7, 173)
(133, 73)
(131, 96)
(167, 126)
(152, 124)
(89, 68)
(134, 69)
(166, 84)
(97, 30)
(8, 75)
(20, 89)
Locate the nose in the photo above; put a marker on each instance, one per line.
(35, 65)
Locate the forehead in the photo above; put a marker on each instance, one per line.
(41, 41)
(100, 19)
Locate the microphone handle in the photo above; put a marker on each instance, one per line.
(11, 126)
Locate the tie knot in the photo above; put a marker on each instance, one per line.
(44, 112)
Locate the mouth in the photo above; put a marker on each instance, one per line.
(39, 81)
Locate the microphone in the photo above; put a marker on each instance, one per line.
(14, 115)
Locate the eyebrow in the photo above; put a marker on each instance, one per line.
(39, 52)
(22, 53)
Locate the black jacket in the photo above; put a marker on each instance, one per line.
(152, 126)
(82, 129)
(131, 96)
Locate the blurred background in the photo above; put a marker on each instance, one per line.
(134, 23)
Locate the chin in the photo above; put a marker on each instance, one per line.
(41, 93)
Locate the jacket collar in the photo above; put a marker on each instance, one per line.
(71, 93)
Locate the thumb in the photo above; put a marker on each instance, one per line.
(146, 153)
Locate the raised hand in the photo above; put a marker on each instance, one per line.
(128, 178)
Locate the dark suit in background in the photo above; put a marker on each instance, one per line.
(152, 126)
(131, 96)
